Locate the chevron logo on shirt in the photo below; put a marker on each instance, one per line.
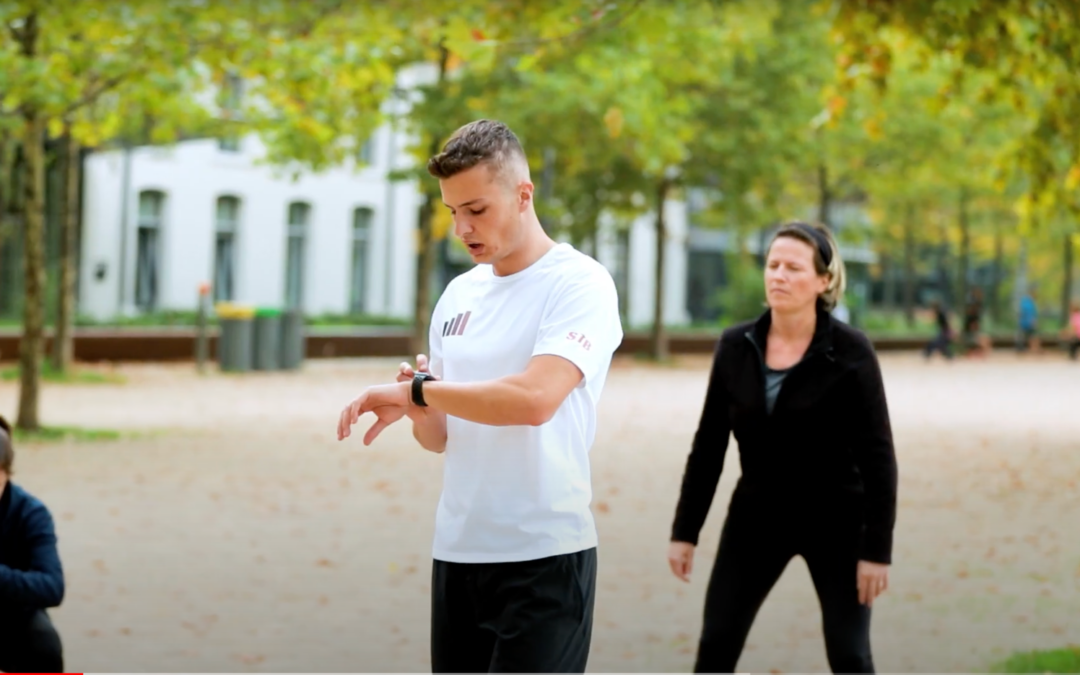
(456, 326)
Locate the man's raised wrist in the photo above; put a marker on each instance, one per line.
(416, 388)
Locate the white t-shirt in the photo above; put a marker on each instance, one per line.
(513, 493)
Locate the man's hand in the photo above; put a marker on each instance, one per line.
(872, 579)
(389, 403)
(429, 425)
(681, 559)
(405, 374)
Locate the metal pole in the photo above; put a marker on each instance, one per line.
(125, 190)
(202, 344)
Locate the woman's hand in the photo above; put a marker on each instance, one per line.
(681, 558)
(872, 579)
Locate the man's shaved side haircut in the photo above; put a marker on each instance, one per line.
(480, 142)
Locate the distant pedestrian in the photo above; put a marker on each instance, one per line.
(1029, 324)
(942, 342)
(1074, 331)
(976, 342)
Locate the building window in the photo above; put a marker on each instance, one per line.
(148, 250)
(361, 236)
(226, 223)
(622, 268)
(366, 153)
(296, 233)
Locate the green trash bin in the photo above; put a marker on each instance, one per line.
(293, 339)
(235, 338)
(267, 339)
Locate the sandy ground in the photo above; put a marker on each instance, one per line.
(236, 534)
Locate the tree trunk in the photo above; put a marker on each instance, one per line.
(7, 161)
(999, 273)
(425, 256)
(1067, 284)
(1020, 284)
(963, 262)
(658, 340)
(9, 205)
(944, 282)
(63, 339)
(909, 267)
(824, 195)
(30, 346)
(888, 283)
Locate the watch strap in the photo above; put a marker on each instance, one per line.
(418, 388)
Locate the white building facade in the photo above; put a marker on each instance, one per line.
(160, 221)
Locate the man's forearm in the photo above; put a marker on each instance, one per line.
(506, 401)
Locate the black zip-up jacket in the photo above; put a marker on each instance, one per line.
(828, 442)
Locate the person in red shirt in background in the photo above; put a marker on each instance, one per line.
(1073, 331)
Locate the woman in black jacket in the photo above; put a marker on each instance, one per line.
(804, 398)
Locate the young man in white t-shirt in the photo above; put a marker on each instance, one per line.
(520, 349)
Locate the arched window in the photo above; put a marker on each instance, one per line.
(296, 240)
(361, 237)
(148, 249)
(226, 224)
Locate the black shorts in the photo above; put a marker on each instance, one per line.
(533, 616)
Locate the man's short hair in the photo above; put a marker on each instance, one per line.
(483, 141)
(7, 450)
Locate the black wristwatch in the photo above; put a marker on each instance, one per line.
(418, 388)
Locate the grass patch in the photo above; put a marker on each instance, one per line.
(78, 434)
(356, 320)
(1065, 660)
(72, 376)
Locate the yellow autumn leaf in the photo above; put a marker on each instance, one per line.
(1072, 179)
(56, 127)
(453, 62)
(613, 119)
(441, 224)
(872, 127)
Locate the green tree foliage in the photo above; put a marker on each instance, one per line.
(479, 50)
(1030, 48)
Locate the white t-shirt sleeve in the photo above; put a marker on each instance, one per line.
(581, 323)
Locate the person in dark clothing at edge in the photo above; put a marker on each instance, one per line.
(804, 397)
(31, 577)
(943, 341)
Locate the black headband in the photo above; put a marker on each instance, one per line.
(819, 238)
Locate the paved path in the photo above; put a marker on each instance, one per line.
(239, 535)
